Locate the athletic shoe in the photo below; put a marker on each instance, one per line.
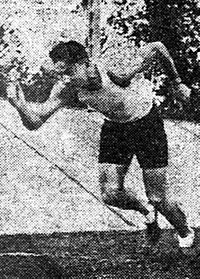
(153, 232)
(186, 242)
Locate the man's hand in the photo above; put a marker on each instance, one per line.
(56, 90)
(13, 75)
(181, 92)
(15, 94)
(61, 89)
(94, 78)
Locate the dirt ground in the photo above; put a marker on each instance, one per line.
(113, 254)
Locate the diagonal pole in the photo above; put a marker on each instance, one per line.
(93, 18)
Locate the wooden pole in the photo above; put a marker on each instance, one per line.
(93, 39)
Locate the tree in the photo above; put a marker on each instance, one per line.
(177, 25)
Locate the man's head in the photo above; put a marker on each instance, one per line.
(65, 55)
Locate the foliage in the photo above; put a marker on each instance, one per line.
(177, 25)
(128, 18)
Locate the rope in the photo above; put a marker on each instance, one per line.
(119, 215)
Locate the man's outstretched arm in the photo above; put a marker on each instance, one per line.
(33, 115)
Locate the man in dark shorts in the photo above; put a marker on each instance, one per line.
(133, 126)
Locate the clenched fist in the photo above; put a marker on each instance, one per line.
(181, 92)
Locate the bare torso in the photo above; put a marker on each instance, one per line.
(121, 104)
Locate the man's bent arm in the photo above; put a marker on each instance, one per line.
(33, 115)
(166, 60)
(179, 90)
(144, 60)
(146, 55)
(159, 51)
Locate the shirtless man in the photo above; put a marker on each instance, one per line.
(132, 126)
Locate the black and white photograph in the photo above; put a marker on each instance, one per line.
(99, 139)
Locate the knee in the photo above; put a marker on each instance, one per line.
(162, 200)
(106, 198)
(155, 199)
(109, 196)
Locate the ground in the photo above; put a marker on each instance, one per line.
(51, 202)
(113, 254)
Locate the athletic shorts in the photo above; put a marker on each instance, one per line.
(145, 138)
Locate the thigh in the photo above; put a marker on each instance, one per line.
(151, 143)
(116, 144)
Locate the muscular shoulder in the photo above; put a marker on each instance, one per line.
(150, 49)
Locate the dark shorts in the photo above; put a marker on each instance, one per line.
(145, 138)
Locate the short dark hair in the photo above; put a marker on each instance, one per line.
(72, 52)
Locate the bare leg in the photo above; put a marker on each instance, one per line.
(112, 188)
(157, 191)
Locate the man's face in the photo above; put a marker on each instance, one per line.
(62, 67)
(78, 71)
(80, 74)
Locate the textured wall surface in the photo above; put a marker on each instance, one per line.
(37, 197)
